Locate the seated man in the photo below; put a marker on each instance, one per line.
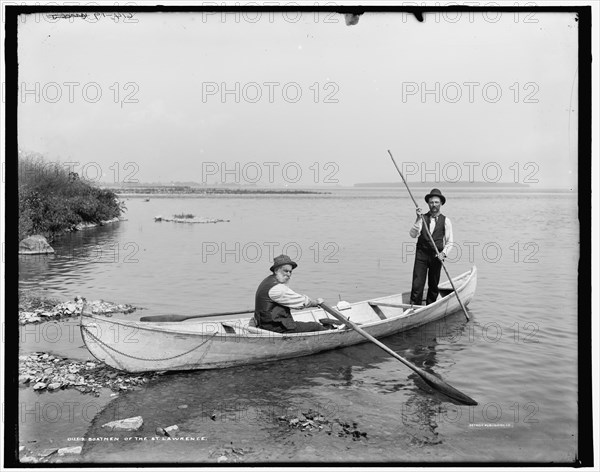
(274, 299)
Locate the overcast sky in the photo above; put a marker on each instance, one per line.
(303, 98)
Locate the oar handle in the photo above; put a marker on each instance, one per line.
(437, 253)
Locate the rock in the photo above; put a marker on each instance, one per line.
(21, 448)
(28, 460)
(182, 407)
(39, 386)
(128, 424)
(54, 386)
(47, 452)
(36, 244)
(69, 450)
(222, 459)
(160, 431)
(172, 430)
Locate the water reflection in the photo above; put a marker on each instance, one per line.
(75, 255)
(244, 405)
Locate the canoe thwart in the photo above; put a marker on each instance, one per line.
(391, 305)
(378, 311)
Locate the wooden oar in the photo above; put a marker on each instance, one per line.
(431, 238)
(430, 379)
(162, 318)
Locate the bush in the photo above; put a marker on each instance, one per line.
(53, 200)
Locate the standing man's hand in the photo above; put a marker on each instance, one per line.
(419, 213)
(441, 256)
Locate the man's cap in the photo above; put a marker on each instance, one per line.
(435, 193)
(282, 260)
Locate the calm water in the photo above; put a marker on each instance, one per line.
(516, 356)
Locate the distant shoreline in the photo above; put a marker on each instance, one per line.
(170, 193)
(166, 190)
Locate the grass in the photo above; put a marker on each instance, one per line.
(53, 200)
(184, 215)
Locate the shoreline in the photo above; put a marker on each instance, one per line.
(86, 396)
(60, 370)
(44, 247)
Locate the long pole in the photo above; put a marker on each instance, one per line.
(430, 238)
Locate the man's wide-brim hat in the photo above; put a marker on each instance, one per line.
(435, 193)
(282, 260)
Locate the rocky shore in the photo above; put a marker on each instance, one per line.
(42, 371)
(36, 310)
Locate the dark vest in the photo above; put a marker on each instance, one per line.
(267, 313)
(438, 233)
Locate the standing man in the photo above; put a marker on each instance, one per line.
(274, 299)
(427, 263)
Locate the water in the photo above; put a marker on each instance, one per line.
(516, 356)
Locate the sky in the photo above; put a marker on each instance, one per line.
(302, 98)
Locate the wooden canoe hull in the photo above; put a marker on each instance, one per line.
(135, 346)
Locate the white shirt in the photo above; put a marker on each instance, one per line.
(285, 296)
(448, 237)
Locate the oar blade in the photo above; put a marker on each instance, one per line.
(446, 389)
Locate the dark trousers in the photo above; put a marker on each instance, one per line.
(301, 327)
(427, 265)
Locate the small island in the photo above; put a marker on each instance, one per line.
(188, 218)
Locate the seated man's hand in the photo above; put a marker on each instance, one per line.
(317, 302)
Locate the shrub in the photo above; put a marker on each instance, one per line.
(53, 200)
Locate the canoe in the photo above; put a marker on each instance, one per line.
(135, 346)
